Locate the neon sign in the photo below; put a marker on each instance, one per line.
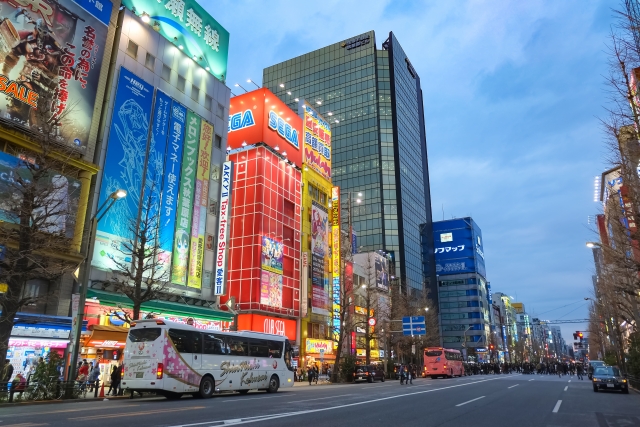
(239, 121)
(283, 128)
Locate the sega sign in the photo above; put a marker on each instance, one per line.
(241, 120)
(284, 129)
(261, 117)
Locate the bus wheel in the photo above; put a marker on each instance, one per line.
(206, 387)
(274, 384)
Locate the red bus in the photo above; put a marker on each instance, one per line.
(442, 362)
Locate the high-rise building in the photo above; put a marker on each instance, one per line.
(463, 291)
(373, 99)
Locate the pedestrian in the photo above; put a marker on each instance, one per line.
(115, 381)
(94, 375)
(19, 383)
(6, 374)
(316, 373)
(409, 374)
(309, 374)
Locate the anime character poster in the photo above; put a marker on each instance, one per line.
(51, 54)
(271, 289)
(272, 252)
(319, 230)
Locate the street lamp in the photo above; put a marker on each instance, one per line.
(251, 81)
(237, 85)
(86, 274)
(592, 244)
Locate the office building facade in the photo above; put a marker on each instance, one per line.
(373, 99)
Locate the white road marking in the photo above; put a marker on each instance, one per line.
(532, 379)
(378, 386)
(469, 401)
(514, 386)
(330, 408)
(321, 398)
(569, 381)
(240, 399)
(566, 387)
(557, 407)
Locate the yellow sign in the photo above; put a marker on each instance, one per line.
(319, 346)
(362, 352)
(335, 257)
(3, 288)
(363, 310)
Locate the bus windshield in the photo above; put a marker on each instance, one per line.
(433, 353)
(288, 355)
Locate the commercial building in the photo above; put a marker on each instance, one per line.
(505, 327)
(54, 58)
(260, 278)
(373, 99)
(162, 138)
(463, 291)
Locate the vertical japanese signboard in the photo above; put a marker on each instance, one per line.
(317, 141)
(185, 23)
(123, 167)
(319, 253)
(179, 266)
(155, 163)
(200, 199)
(171, 182)
(335, 257)
(51, 53)
(224, 218)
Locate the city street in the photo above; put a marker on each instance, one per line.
(514, 400)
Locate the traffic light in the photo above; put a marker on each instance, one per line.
(575, 336)
(491, 347)
(580, 335)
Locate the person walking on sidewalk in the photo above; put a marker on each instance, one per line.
(316, 373)
(309, 374)
(93, 376)
(402, 374)
(115, 381)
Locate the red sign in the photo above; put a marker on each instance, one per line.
(372, 321)
(268, 325)
(259, 116)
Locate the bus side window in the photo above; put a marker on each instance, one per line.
(224, 342)
(196, 342)
(180, 340)
(258, 348)
(212, 345)
(238, 346)
(275, 349)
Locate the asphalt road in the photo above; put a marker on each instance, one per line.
(494, 400)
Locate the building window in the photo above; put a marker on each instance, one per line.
(215, 172)
(182, 82)
(287, 236)
(217, 141)
(207, 102)
(213, 207)
(289, 210)
(150, 61)
(166, 73)
(195, 92)
(220, 112)
(132, 50)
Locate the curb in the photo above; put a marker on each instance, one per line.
(61, 401)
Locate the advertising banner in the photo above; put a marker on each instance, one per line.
(51, 53)
(155, 163)
(64, 197)
(319, 285)
(181, 240)
(200, 201)
(186, 24)
(224, 222)
(382, 272)
(319, 229)
(271, 256)
(317, 141)
(268, 325)
(123, 167)
(171, 180)
(304, 283)
(458, 249)
(271, 289)
(335, 258)
(314, 346)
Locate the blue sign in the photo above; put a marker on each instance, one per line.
(157, 153)
(101, 9)
(123, 167)
(458, 247)
(171, 179)
(413, 325)
(354, 242)
(241, 120)
(285, 130)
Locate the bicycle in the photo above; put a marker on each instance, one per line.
(49, 390)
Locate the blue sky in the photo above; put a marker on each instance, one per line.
(513, 93)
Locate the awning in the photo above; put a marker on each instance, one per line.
(107, 336)
(163, 307)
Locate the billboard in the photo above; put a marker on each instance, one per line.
(224, 222)
(382, 271)
(51, 54)
(271, 289)
(64, 195)
(187, 25)
(458, 247)
(200, 200)
(171, 180)
(319, 259)
(181, 240)
(335, 257)
(316, 151)
(271, 255)
(259, 116)
(268, 325)
(123, 167)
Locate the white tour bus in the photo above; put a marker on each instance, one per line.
(170, 359)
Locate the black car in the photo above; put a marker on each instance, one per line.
(609, 378)
(368, 373)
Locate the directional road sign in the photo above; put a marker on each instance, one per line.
(413, 325)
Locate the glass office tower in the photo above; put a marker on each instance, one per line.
(374, 101)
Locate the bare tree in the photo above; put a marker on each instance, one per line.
(145, 277)
(39, 207)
